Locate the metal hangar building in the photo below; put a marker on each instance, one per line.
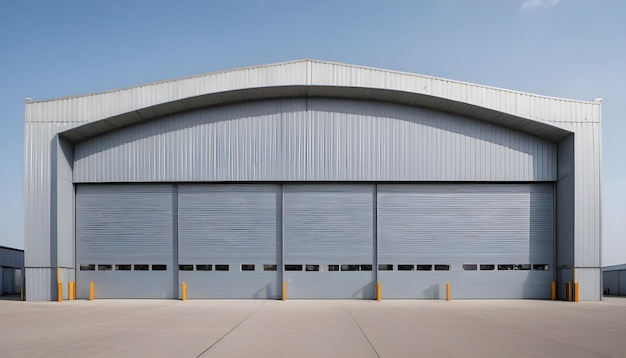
(326, 176)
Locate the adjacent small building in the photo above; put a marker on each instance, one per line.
(614, 280)
(11, 270)
(327, 177)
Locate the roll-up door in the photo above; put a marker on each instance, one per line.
(329, 241)
(487, 240)
(125, 240)
(229, 240)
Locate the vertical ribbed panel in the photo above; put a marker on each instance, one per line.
(466, 224)
(329, 224)
(40, 284)
(234, 225)
(126, 224)
(589, 283)
(588, 221)
(314, 139)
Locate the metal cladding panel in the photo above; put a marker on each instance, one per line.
(457, 224)
(40, 284)
(589, 283)
(314, 139)
(231, 225)
(126, 225)
(588, 220)
(622, 283)
(329, 224)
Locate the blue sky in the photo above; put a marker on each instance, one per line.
(563, 48)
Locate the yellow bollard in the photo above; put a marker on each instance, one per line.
(378, 291)
(447, 291)
(59, 292)
(70, 291)
(284, 293)
(576, 292)
(90, 290)
(568, 292)
(183, 291)
(553, 290)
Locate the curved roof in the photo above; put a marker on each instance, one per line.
(94, 114)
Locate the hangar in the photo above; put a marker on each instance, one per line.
(325, 176)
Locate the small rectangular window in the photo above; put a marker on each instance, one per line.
(122, 267)
(312, 267)
(185, 267)
(159, 267)
(105, 267)
(270, 267)
(541, 267)
(204, 267)
(366, 267)
(424, 267)
(247, 267)
(406, 267)
(142, 267)
(470, 267)
(385, 267)
(487, 267)
(442, 267)
(349, 267)
(523, 267)
(222, 267)
(333, 267)
(89, 267)
(293, 267)
(505, 267)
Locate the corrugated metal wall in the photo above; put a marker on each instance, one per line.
(315, 139)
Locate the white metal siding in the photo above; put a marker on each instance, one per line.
(233, 225)
(456, 224)
(329, 224)
(129, 225)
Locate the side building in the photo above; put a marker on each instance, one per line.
(614, 279)
(11, 270)
(325, 176)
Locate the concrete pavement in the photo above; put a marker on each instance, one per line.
(312, 328)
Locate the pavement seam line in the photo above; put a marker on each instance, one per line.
(361, 329)
(229, 332)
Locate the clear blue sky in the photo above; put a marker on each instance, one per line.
(563, 48)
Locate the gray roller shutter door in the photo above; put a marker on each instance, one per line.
(126, 225)
(457, 224)
(230, 225)
(329, 225)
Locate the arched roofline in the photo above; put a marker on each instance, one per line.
(540, 129)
